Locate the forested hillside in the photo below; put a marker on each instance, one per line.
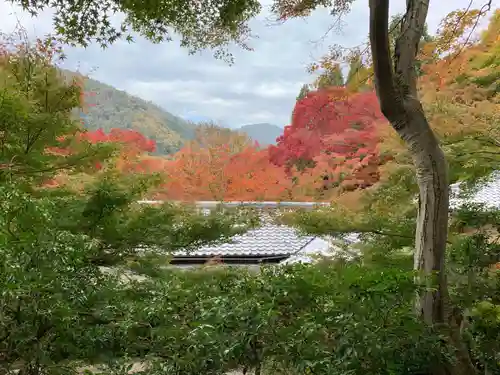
(107, 107)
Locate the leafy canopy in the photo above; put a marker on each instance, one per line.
(209, 24)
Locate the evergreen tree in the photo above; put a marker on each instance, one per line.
(304, 90)
(331, 77)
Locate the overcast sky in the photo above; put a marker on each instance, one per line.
(260, 87)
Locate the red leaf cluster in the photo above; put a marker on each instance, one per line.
(131, 139)
(332, 132)
(133, 146)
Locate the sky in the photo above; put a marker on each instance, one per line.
(261, 86)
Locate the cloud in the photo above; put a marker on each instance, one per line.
(260, 87)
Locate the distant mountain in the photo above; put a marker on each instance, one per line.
(263, 133)
(108, 107)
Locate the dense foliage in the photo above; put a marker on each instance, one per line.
(334, 133)
(339, 141)
(36, 110)
(54, 241)
(221, 164)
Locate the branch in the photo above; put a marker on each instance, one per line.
(379, 232)
(18, 169)
(407, 46)
(382, 67)
(382, 233)
(484, 9)
(455, 29)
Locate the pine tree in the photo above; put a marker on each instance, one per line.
(304, 90)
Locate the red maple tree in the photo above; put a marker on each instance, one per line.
(132, 147)
(332, 138)
(134, 141)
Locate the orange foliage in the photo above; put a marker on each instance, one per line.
(222, 164)
(214, 173)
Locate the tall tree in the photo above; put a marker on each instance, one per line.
(395, 32)
(396, 86)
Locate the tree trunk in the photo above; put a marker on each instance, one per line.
(432, 220)
(397, 92)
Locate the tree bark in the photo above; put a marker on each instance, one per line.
(396, 86)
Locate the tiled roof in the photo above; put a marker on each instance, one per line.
(488, 194)
(278, 240)
(267, 240)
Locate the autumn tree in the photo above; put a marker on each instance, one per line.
(251, 177)
(396, 87)
(130, 155)
(460, 96)
(458, 93)
(332, 137)
(132, 146)
(197, 171)
(395, 33)
(223, 171)
(397, 79)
